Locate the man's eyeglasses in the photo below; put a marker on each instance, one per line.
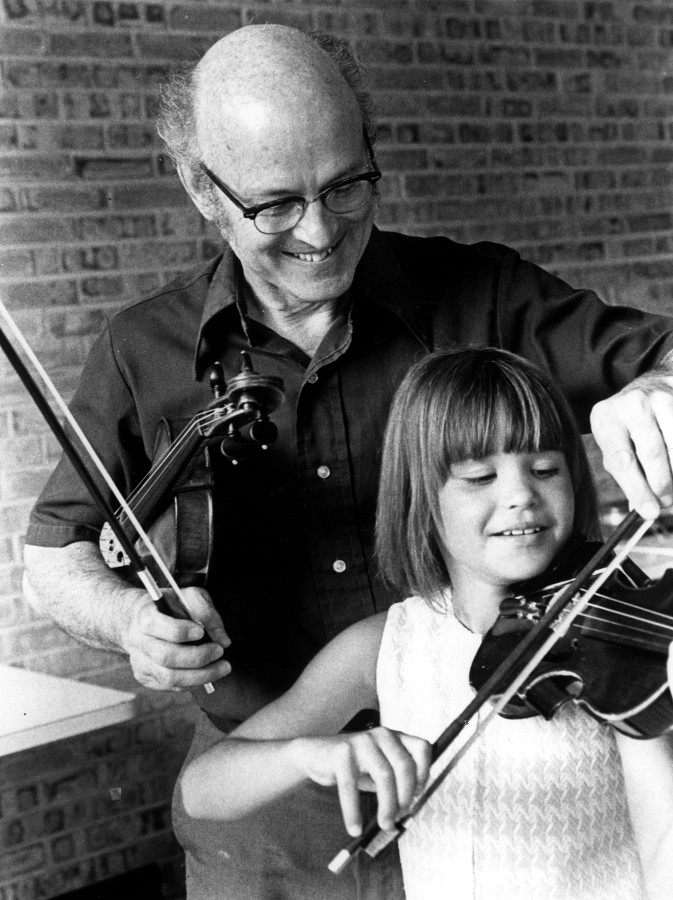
(342, 197)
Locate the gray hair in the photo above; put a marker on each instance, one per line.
(176, 116)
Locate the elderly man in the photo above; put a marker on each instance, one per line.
(273, 140)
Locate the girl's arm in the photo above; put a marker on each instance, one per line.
(648, 773)
(296, 739)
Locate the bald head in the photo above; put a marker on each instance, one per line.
(263, 75)
(257, 71)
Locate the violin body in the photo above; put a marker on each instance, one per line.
(182, 526)
(612, 659)
(174, 502)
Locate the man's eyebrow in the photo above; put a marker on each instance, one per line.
(266, 196)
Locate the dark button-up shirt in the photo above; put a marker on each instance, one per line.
(293, 526)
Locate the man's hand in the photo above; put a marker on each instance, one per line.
(159, 647)
(73, 586)
(634, 430)
(393, 764)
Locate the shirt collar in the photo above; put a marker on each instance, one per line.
(378, 278)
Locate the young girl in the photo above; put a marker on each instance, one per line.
(484, 480)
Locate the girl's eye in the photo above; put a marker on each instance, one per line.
(480, 479)
(546, 471)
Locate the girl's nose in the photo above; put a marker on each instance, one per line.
(519, 490)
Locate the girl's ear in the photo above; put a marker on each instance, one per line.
(200, 200)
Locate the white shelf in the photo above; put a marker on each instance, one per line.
(37, 709)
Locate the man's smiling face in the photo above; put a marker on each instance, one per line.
(291, 146)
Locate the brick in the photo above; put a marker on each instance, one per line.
(95, 105)
(115, 227)
(102, 168)
(84, 322)
(90, 44)
(31, 168)
(32, 230)
(176, 48)
(135, 256)
(145, 196)
(451, 54)
(87, 259)
(25, 860)
(381, 51)
(14, 517)
(196, 17)
(23, 485)
(22, 42)
(37, 294)
(68, 199)
(15, 263)
(97, 287)
(406, 78)
(131, 137)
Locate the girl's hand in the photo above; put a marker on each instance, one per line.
(393, 764)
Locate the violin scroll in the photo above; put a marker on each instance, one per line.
(247, 400)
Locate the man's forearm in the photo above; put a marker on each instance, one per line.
(73, 586)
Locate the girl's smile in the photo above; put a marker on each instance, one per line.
(504, 519)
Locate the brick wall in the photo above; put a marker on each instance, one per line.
(547, 124)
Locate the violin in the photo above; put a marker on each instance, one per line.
(174, 500)
(247, 402)
(612, 659)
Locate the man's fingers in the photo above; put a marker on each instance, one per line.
(163, 658)
(202, 610)
(633, 451)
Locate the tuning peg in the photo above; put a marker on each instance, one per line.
(263, 432)
(217, 383)
(235, 447)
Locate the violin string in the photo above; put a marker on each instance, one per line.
(639, 614)
(625, 603)
(146, 486)
(638, 636)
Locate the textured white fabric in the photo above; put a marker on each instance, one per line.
(535, 810)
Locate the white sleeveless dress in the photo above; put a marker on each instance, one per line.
(535, 810)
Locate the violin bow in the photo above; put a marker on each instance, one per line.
(514, 670)
(75, 457)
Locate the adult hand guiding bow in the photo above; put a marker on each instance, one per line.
(634, 430)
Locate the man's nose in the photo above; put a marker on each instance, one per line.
(317, 226)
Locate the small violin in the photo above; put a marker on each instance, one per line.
(611, 660)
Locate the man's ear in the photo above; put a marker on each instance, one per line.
(190, 184)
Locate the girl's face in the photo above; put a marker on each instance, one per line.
(504, 518)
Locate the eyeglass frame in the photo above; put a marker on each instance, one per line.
(251, 212)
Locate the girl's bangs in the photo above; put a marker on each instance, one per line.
(506, 417)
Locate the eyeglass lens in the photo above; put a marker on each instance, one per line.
(344, 199)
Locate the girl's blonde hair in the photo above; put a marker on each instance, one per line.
(452, 406)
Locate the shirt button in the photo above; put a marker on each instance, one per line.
(339, 566)
(312, 378)
(324, 472)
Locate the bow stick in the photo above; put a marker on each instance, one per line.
(143, 573)
(518, 666)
